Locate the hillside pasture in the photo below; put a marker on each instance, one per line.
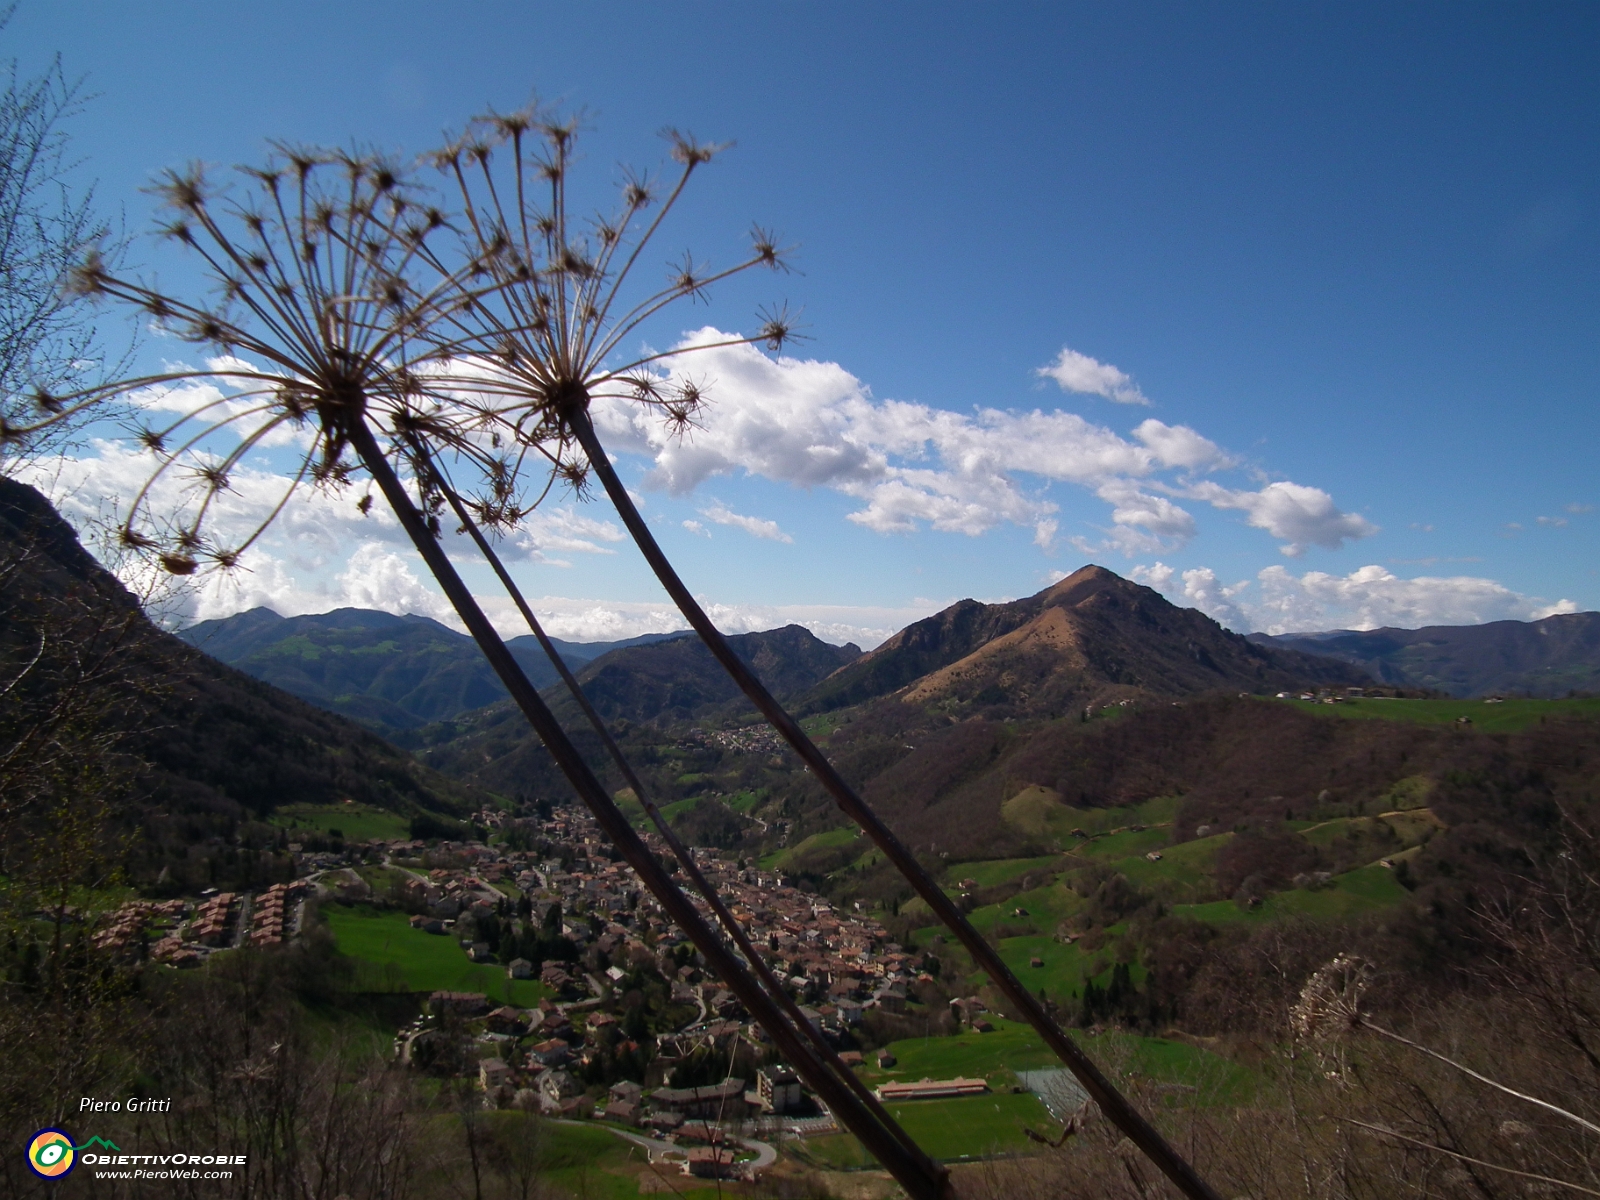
(1364, 890)
(1040, 812)
(1412, 827)
(745, 802)
(1065, 970)
(1185, 869)
(1124, 844)
(827, 840)
(1004, 870)
(1044, 908)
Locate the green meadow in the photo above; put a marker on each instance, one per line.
(1003, 870)
(971, 1126)
(396, 957)
(1182, 868)
(964, 1127)
(817, 841)
(1366, 889)
(1507, 716)
(744, 802)
(1014, 1046)
(353, 822)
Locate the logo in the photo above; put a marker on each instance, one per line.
(51, 1154)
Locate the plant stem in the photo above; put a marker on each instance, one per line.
(701, 884)
(915, 1176)
(1477, 1162)
(1113, 1103)
(1466, 1070)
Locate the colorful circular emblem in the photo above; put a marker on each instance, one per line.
(50, 1154)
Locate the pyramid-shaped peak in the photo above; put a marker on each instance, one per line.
(1081, 584)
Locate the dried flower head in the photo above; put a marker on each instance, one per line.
(554, 296)
(323, 283)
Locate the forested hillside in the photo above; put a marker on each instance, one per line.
(196, 754)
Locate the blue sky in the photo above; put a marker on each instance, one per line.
(1352, 248)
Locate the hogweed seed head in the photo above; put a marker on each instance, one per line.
(1329, 1005)
(178, 564)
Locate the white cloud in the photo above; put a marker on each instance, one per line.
(1298, 516)
(1077, 372)
(695, 527)
(1278, 601)
(316, 527)
(813, 424)
(721, 514)
(1180, 446)
(377, 577)
(1199, 588)
(1552, 522)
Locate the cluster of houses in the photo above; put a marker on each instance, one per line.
(214, 920)
(554, 1039)
(747, 739)
(271, 913)
(175, 932)
(137, 920)
(179, 932)
(839, 962)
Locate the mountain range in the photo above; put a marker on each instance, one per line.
(1550, 657)
(391, 673)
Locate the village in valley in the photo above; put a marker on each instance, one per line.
(597, 1006)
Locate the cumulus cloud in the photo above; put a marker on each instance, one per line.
(721, 514)
(375, 576)
(1077, 372)
(1298, 516)
(315, 526)
(1199, 588)
(1277, 601)
(320, 553)
(813, 424)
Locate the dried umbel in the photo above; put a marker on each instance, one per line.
(1329, 1006)
(556, 297)
(315, 320)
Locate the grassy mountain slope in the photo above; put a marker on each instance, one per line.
(1549, 657)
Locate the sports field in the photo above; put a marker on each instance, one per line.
(965, 1127)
